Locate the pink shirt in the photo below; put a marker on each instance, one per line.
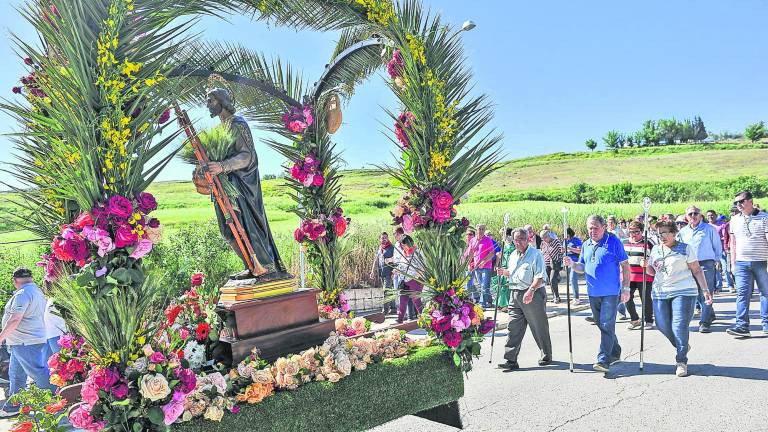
(482, 248)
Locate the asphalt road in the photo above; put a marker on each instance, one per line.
(727, 389)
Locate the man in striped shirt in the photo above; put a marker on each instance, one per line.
(749, 255)
(638, 248)
(553, 259)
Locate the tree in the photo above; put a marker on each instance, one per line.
(638, 137)
(686, 130)
(669, 129)
(591, 144)
(650, 132)
(612, 140)
(699, 131)
(755, 131)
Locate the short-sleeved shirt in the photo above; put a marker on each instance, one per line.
(29, 301)
(552, 252)
(673, 277)
(54, 324)
(636, 252)
(523, 269)
(704, 239)
(602, 265)
(749, 233)
(573, 242)
(385, 270)
(482, 248)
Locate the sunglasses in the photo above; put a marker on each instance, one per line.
(741, 201)
(693, 214)
(681, 223)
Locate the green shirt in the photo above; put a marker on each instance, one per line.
(524, 268)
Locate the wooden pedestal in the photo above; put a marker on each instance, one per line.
(277, 325)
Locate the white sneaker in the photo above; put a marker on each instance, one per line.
(682, 370)
(649, 326)
(575, 302)
(6, 414)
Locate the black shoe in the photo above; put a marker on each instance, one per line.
(245, 274)
(738, 332)
(508, 365)
(590, 319)
(704, 328)
(545, 361)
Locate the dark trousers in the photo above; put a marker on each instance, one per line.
(553, 271)
(647, 303)
(413, 293)
(521, 316)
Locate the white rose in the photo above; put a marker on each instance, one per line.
(154, 387)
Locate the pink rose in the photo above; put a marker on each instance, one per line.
(318, 180)
(441, 214)
(120, 392)
(184, 333)
(80, 417)
(146, 202)
(172, 411)
(89, 393)
(120, 207)
(298, 173)
(317, 230)
(83, 220)
(157, 357)
(125, 237)
(442, 200)
(142, 248)
(299, 235)
(308, 180)
(197, 279)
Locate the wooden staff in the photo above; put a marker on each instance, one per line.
(243, 245)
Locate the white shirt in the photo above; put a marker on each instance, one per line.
(54, 324)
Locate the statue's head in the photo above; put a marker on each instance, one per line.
(220, 99)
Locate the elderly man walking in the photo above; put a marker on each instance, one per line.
(707, 247)
(606, 266)
(528, 301)
(749, 255)
(24, 332)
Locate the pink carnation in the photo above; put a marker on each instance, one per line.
(143, 247)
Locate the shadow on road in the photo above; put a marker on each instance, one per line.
(628, 369)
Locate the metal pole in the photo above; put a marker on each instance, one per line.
(498, 288)
(567, 285)
(643, 299)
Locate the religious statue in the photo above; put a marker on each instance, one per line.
(241, 165)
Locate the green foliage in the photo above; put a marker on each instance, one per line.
(651, 134)
(591, 144)
(669, 129)
(45, 411)
(216, 141)
(194, 248)
(755, 132)
(582, 193)
(612, 140)
(380, 393)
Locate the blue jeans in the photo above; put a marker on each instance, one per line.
(483, 277)
(707, 311)
(673, 317)
(574, 283)
(748, 273)
(51, 347)
(604, 311)
(725, 264)
(27, 360)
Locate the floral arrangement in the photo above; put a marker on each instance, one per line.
(403, 124)
(195, 320)
(147, 393)
(209, 399)
(68, 366)
(333, 305)
(40, 410)
(307, 171)
(297, 120)
(419, 209)
(106, 242)
(458, 323)
(352, 327)
(318, 229)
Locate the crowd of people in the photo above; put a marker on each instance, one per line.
(671, 264)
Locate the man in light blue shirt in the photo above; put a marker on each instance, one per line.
(708, 247)
(24, 332)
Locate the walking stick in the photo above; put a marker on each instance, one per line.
(498, 290)
(643, 299)
(567, 285)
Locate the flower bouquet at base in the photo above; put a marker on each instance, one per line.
(210, 399)
(458, 323)
(68, 366)
(333, 305)
(352, 327)
(39, 411)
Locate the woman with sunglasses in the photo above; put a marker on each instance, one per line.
(677, 276)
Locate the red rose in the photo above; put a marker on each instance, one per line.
(125, 237)
(441, 214)
(340, 226)
(172, 312)
(201, 331)
(25, 409)
(197, 279)
(77, 249)
(83, 220)
(58, 249)
(299, 235)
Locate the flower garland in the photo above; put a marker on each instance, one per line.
(307, 171)
(419, 209)
(297, 120)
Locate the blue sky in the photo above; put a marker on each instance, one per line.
(559, 72)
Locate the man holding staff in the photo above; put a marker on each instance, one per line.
(606, 266)
(528, 301)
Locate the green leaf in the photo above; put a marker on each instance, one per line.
(122, 275)
(476, 349)
(85, 277)
(456, 359)
(137, 427)
(156, 415)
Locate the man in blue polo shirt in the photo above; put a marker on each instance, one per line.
(605, 264)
